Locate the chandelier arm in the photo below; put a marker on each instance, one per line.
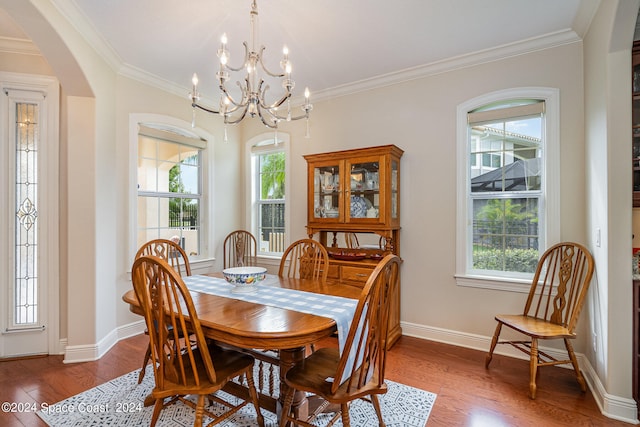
(264, 68)
(235, 121)
(292, 118)
(277, 103)
(273, 124)
(232, 109)
(301, 116)
(246, 59)
(244, 96)
(263, 97)
(208, 110)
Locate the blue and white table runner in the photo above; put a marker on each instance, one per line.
(340, 309)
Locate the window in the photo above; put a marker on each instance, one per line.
(170, 196)
(507, 193)
(268, 194)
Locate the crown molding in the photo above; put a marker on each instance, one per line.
(455, 63)
(153, 80)
(78, 20)
(481, 57)
(18, 46)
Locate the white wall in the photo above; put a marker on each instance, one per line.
(608, 142)
(419, 117)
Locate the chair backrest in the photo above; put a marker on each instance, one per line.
(560, 284)
(169, 251)
(365, 351)
(240, 249)
(170, 315)
(305, 259)
(351, 240)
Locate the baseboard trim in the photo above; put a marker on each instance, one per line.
(611, 406)
(90, 352)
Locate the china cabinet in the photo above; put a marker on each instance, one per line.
(356, 191)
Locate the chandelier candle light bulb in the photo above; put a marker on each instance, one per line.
(253, 88)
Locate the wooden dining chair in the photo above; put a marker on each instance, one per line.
(305, 259)
(185, 370)
(351, 240)
(168, 250)
(556, 296)
(177, 258)
(240, 249)
(320, 372)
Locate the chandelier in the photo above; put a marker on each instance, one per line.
(253, 89)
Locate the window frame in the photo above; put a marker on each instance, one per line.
(266, 144)
(550, 197)
(205, 257)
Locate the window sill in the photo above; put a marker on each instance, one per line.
(269, 259)
(198, 266)
(202, 266)
(493, 283)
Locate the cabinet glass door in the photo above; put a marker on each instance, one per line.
(364, 196)
(326, 191)
(394, 189)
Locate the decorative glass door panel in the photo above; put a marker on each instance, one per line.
(25, 295)
(327, 186)
(394, 190)
(364, 196)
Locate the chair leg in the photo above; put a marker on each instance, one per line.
(344, 409)
(376, 405)
(286, 407)
(199, 411)
(156, 412)
(147, 356)
(254, 396)
(574, 362)
(494, 341)
(533, 367)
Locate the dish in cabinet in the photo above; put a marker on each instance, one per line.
(359, 206)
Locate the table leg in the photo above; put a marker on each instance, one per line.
(288, 358)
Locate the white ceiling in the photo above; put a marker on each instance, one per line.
(333, 43)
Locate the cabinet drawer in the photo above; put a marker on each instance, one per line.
(334, 272)
(356, 274)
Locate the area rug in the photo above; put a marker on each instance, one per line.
(119, 403)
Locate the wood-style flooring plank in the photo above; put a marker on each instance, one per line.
(468, 394)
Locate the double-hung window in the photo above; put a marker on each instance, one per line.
(506, 167)
(268, 189)
(170, 188)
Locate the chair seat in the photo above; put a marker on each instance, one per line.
(314, 374)
(227, 364)
(534, 327)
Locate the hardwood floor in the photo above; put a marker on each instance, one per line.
(468, 395)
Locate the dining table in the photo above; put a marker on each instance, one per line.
(239, 320)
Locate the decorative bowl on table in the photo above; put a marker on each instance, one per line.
(244, 279)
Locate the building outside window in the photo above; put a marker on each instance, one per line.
(170, 188)
(503, 217)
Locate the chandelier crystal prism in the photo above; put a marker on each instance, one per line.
(253, 88)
